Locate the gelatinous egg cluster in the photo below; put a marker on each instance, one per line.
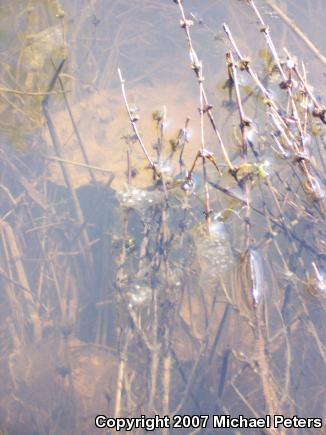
(138, 199)
(139, 294)
(214, 254)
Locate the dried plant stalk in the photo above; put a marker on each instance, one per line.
(196, 65)
(133, 120)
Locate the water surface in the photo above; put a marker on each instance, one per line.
(116, 300)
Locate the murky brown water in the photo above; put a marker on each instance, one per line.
(115, 301)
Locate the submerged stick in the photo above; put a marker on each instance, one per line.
(265, 29)
(269, 101)
(123, 361)
(81, 165)
(299, 144)
(78, 136)
(65, 172)
(202, 146)
(281, 123)
(298, 31)
(250, 273)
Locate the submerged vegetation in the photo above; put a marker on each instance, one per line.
(197, 284)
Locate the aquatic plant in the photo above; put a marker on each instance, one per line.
(195, 284)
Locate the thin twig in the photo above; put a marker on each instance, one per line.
(298, 31)
(196, 66)
(134, 126)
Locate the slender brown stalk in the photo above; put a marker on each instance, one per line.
(319, 110)
(311, 185)
(249, 275)
(154, 353)
(287, 81)
(202, 138)
(65, 172)
(77, 134)
(265, 29)
(298, 31)
(167, 369)
(121, 374)
(244, 121)
(81, 165)
(196, 65)
(269, 101)
(278, 119)
(133, 120)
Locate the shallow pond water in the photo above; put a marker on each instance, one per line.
(122, 294)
